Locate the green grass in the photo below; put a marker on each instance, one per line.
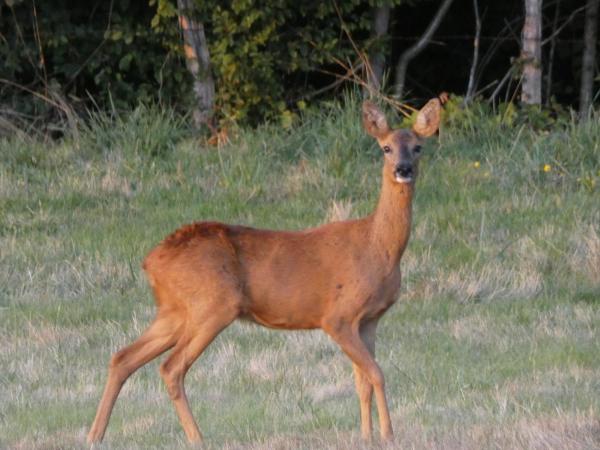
(495, 341)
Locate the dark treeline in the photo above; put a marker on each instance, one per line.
(446, 62)
(269, 59)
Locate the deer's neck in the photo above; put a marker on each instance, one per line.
(390, 223)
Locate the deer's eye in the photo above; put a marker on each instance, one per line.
(417, 149)
(387, 149)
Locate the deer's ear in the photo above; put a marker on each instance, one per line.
(428, 118)
(374, 120)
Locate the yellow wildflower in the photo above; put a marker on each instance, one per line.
(476, 164)
(547, 167)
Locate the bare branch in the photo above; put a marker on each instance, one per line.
(557, 31)
(589, 58)
(504, 79)
(471, 86)
(551, 54)
(418, 47)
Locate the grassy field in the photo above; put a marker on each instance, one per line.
(494, 343)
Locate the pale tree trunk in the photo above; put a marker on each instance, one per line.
(589, 58)
(380, 27)
(198, 63)
(531, 54)
(413, 51)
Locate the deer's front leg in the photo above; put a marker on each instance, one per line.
(350, 341)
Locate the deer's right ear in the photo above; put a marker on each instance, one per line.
(374, 120)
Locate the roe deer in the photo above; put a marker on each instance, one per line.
(340, 277)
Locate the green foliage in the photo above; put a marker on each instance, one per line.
(108, 51)
(496, 119)
(266, 55)
(260, 50)
(145, 133)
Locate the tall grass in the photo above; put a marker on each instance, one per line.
(494, 341)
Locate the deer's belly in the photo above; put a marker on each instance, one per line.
(285, 312)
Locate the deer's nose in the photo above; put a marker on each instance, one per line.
(404, 170)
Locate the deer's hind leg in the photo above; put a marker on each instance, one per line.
(202, 327)
(158, 338)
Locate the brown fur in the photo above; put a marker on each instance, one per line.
(340, 277)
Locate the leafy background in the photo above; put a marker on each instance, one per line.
(268, 57)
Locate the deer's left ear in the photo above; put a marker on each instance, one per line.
(428, 118)
(374, 120)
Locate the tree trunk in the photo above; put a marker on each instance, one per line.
(589, 58)
(531, 54)
(380, 27)
(198, 63)
(413, 51)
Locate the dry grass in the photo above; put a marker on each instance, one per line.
(585, 257)
(339, 210)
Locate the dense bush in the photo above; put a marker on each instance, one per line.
(74, 50)
(264, 54)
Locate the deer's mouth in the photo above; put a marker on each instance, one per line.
(402, 179)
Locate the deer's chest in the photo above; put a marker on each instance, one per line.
(378, 293)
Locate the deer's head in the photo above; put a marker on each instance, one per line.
(402, 147)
